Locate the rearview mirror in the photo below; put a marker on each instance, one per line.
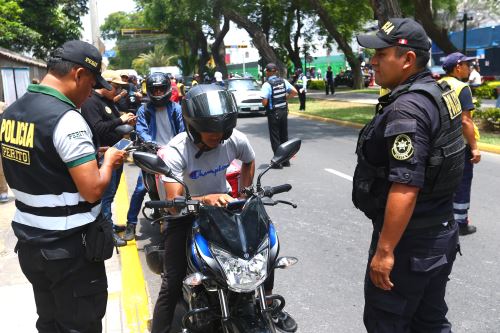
(151, 163)
(286, 151)
(124, 129)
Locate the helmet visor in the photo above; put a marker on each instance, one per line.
(212, 103)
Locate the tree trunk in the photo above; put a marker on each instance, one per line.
(385, 9)
(423, 14)
(351, 58)
(293, 51)
(218, 48)
(258, 39)
(203, 46)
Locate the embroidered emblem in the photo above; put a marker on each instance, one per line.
(108, 110)
(402, 149)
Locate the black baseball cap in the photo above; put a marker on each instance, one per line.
(86, 55)
(397, 32)
(271, 67)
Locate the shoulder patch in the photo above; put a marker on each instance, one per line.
(108, 110)
(402, 149)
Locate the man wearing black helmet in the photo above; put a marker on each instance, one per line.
(157, 121)
(200, 157)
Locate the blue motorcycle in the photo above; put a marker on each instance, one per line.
(231, 252)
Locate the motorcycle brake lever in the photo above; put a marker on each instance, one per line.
(287, 203)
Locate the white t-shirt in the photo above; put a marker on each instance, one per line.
(163, 128)
(475, 78)
(206, 174)
(72, 137)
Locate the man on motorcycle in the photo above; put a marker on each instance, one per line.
(200, 158)
(157, 121)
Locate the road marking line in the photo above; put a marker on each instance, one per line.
(340, 174)
(134, 293)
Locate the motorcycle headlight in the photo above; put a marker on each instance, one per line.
(242, 275)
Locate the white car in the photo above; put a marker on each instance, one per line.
(246, 91)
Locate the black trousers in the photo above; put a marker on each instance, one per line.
(174, 272)
(302, 100)
(422, 263)
(70, 292)
(329, 87)
(278, 128)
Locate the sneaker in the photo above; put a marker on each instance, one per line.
(466, 229)
(129, 232)
(118, 241)
(286, 164)
(284, 322)
(4, 197)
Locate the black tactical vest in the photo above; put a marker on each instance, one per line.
(30, 160)
(444, 168)
(278, 95)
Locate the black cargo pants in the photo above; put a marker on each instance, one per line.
(70, 291)
(422, 263)
(277, 122)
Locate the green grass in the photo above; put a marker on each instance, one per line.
(357, 113)
(490, 137)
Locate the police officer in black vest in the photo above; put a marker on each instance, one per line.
(274, 94)
(50, 164)
(410, 161)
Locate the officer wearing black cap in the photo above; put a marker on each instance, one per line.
(274, 95)
(50, 164)
(410, 161)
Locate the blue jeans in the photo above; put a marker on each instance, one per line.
(109, 194)
(136, 201)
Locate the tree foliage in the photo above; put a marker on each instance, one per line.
(39, 26)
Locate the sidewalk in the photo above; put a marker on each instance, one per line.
(17, 304)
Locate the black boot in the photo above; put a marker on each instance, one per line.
(466, 229)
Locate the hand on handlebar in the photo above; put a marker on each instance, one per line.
(217, 199)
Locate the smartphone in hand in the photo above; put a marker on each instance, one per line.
(122, 144)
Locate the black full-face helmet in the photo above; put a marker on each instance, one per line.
(158, 88)
(209, 108)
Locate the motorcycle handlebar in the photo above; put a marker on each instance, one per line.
(270, 191)
(155, 204)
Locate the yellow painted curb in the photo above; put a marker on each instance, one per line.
(482, 146)
(134, 293)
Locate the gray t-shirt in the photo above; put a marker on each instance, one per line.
(163, 128)
(206, 174)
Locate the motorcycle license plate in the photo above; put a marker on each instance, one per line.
(254, 108)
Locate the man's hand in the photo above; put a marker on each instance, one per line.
(114, 157)
(217, 199)
(380, 269)
(128, 118)
(476, 156)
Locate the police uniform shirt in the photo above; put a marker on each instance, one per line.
(266, 91)
(103, 117)
(72, 140)
(405, 129)
(206, 174)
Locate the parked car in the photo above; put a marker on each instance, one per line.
(345, 79)
(247, 94)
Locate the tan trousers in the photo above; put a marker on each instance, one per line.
(3, 182)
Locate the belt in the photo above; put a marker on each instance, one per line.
(434, 229)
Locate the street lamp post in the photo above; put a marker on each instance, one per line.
(464, 20)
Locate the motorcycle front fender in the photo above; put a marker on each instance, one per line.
(260, 323)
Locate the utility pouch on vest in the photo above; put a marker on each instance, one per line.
(98, 240)
(365, 191)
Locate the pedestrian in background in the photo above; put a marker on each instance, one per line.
(404, 182)
(275, 92)
(58, 185)
(457, 67)
(474, 78)
(329, 84)
(301, 87)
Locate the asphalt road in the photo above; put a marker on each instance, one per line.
(324, 291)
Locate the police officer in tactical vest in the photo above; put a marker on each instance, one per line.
(410, 161)
(50, 164)
(274, 93)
